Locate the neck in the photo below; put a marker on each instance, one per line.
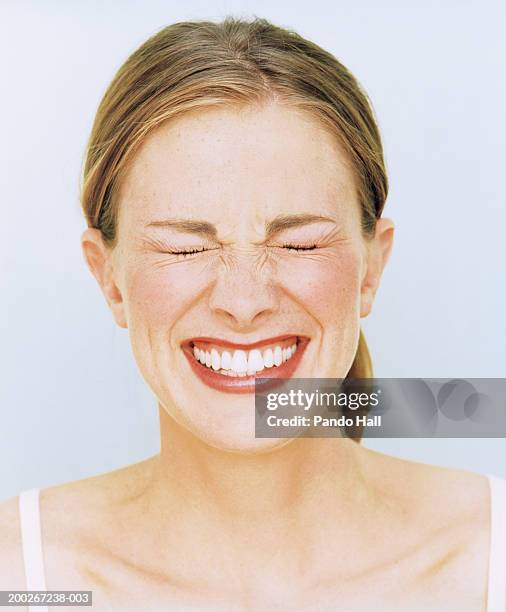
(245, 506)
(293, 478)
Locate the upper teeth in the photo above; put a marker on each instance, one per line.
(242, 363)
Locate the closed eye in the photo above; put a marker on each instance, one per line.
(186, 253)
(300, 247)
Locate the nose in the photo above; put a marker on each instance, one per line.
(243, 297)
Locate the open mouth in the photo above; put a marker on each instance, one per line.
(234, 368)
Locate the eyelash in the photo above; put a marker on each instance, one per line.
(299, 247)
(291, 247)
(186, 253)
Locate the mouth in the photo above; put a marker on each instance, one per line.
(234, 368)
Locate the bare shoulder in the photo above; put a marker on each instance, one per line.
(453, 492)
(72, 519)
(77, 504)
(447, 517)
(455, 502)
(12, 573)
(79, 518)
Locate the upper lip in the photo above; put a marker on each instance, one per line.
(241, 345)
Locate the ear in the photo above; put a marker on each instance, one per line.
(98, 257)
(377, 255)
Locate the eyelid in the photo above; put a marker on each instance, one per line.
(300, 247)
(179, 251)
(189, 251)
(165, 244)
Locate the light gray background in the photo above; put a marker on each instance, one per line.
(72, 401)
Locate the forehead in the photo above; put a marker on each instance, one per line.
(221, 162)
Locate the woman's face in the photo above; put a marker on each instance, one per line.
(239, 240)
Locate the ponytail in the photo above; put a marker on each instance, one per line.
(360, 368)
(362, 364)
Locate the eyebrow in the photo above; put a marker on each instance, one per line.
(284, 222)
(188, 226)
(278, 224)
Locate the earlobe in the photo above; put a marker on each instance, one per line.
(378, 254)
(98, 257)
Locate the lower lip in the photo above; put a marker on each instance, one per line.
(246, 384)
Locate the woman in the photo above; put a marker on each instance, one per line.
(233, 188)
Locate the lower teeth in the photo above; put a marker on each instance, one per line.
(236, 374)
(232, 373)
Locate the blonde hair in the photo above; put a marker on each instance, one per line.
(197, 64)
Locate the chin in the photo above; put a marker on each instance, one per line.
(244, 445)
(229, 434)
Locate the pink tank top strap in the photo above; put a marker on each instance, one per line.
(31, 541)
(497, 560)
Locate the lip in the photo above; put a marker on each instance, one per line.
(244, 384)
(240, 346)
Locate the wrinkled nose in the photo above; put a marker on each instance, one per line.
(243, 297)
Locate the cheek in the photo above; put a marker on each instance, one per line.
(157, 296)
(327, 285)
